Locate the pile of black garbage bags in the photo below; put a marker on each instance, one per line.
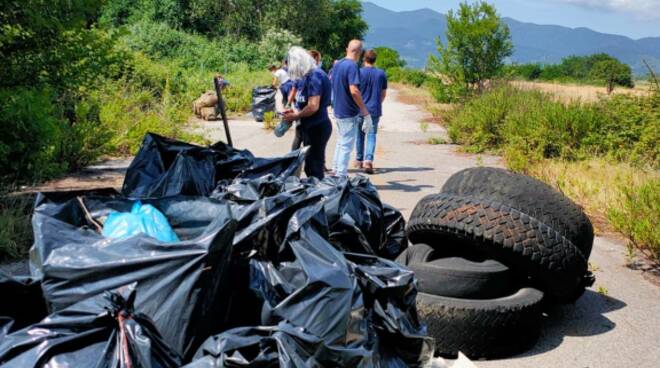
(269, 270)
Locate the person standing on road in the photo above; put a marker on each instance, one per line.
(297, 139)
(282, 81)
(347, 105)
(373, 86)
(312, 101)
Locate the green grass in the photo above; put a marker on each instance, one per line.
(15, 228)
(637, 216)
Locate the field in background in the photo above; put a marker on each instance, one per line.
(585, 93)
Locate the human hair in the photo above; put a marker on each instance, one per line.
(300, 62)
(316, 55)
(370, 56)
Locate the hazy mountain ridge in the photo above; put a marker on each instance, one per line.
(413, 34)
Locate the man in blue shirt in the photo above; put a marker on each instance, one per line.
(347, 104)
(373, 86)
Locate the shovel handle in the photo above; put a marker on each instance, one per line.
(219, 84)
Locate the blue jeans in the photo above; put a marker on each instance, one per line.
(346, 130)
(371, 141)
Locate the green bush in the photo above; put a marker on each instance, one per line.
(597, 68)
(528, 126)
(410, 76)
(30, 145)
(638, 217)
(388, 58)
(445, 93)
(15, 227)
(160, 42)
(129, 112)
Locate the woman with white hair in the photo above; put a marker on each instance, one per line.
(312, 101)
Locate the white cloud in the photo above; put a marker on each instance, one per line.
(648, 9)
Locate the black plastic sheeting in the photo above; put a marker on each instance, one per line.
(322, 308)
(103, 331)
(263, 100)
(181, 280)
(358, 221)
(271, 270)
(166, 167)
(22, 300)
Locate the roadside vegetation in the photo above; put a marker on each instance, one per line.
(602, 152)
(84, 79)
(597, 69)
(81, 79)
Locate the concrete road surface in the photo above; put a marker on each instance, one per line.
(619, 327)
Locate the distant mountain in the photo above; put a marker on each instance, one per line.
(413, 34)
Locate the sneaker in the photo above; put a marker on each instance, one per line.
(357, 164)
(368, 167)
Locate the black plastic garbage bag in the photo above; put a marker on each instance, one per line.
(22, 300)
(263, 100)
(180, 285)
(103, 331)
(352, 310)
(166, 167)
(359, 222)
(279, 346)
(395, 240)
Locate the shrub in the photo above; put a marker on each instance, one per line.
(638, 217)
(129, 112)
(388, 58)
(31, 141)
(410, 76)
(15, 227)
(528, 126)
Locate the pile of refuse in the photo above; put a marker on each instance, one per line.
(490, 252)
(211, 257)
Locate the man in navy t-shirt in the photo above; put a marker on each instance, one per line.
(347, 104)
(373, 86)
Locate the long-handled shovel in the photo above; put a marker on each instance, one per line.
(220, 84)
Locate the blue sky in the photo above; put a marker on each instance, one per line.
(632, 18)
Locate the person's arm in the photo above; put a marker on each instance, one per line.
(353, 75)
(292, 94)
(383, 93)
(312, 107)
(357, 97)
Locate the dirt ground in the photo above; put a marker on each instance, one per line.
(615, 324)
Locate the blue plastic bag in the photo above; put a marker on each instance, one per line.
(143, 219)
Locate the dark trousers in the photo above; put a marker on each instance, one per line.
(297, 139)
(317, 139)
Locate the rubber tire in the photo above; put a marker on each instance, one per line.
(460, 278)
(527, 195)
(417, 253)
(494, 328)
(509, 236)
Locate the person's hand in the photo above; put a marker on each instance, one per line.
(290, 115)
(367, 124)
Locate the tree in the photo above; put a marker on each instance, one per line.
(388, 58)
(477, 44)
(612, 72)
